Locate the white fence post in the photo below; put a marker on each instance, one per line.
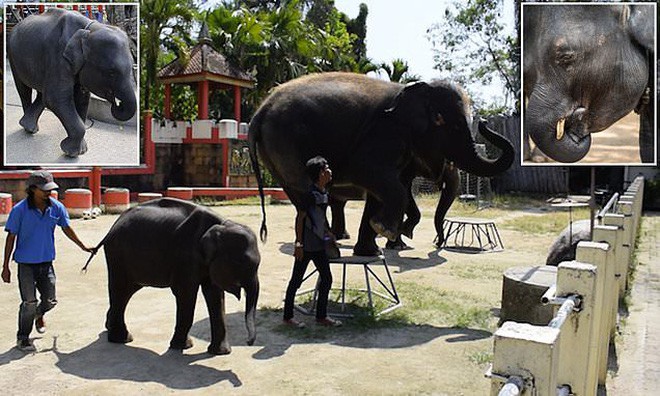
(526, 351)
(621, 250)
(577, 363)
(597, 254)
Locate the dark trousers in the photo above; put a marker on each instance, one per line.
(33, 277)
(322, 265)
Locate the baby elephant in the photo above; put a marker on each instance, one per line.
(177, 244)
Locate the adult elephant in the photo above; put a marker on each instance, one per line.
(173, 243)
(448, 184)
(585, 67)
(369, 130)
(64, 56)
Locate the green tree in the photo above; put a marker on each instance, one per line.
(159, 17)
(474, 48)
(397, 71)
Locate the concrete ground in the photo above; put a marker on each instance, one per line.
(431, 356)
(107, 144)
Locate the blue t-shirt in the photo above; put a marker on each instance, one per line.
(35, 231)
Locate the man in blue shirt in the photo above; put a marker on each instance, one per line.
(30, 227)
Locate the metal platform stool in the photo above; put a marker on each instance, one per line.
(482, 234)
(366, 262)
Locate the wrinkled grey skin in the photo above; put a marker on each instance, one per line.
(587, 65)
(53, 54)
(448, 185)
(173, 243)
(564, 247)
(369, 131)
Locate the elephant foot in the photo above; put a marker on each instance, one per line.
(380, 229)
(120, 337)
(222, 349)
(407, 230)
(364, 250)
(342, 235)
(73, 147)
(397, 245)
(181, 344)
(29, 125)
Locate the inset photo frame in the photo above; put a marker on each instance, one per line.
(589, 76)
(71, 84)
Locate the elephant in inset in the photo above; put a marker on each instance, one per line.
(174, 243)
(448, 185)
(64, 56)
(584, 68)
(370, 131)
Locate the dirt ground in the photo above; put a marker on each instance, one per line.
(427, 357)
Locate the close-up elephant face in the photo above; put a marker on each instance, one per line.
(439, 113)
(583, 71)
(103, 61)
(231, 253)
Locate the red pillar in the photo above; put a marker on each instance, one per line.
(75, 8)
(95, 185)
(237, 103)
(89, 12)
(41, 9)
(203, 100)
(167, 100)
(149, 147)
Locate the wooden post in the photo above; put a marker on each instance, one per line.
(203, 100)
(167, 101)
(95, 185)
(237, 103)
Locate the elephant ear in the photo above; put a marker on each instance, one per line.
(640, 25)
(213, 243)
(411, 105)
(75, 50)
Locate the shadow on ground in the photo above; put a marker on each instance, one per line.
(275, 339)
(103, 360)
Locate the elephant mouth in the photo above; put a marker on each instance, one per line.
(574, 126)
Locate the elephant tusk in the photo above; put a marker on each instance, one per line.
(117, 102)
(560, 128)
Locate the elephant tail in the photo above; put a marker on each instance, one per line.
(93, 252)
(253, 139)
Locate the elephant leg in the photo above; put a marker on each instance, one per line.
(31, 110)
(448, 193)
(366, 243)
(413, 216)
(338, 227)
(81, 97)
(120, 294)
(215, 303)
(75, 144)
(185, 311)
(391, 193)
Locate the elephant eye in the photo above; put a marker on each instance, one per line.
(565, 58)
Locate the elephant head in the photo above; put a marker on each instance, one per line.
(102, 60)
(438, 116)
(585, 67)
(230, 251)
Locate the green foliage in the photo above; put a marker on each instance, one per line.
(473, 48)
(397, 71)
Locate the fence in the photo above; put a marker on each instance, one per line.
(569, 355)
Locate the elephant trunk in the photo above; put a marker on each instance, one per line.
(470, 161)
(124, 104)
(252, 295)
(560, 133)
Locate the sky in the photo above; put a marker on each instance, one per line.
(397, 29)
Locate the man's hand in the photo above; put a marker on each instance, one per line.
(6, 274)
(298, 253)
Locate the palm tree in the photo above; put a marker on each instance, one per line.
(157, 16)
(397, 71)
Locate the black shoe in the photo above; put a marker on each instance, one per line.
(25, 345)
